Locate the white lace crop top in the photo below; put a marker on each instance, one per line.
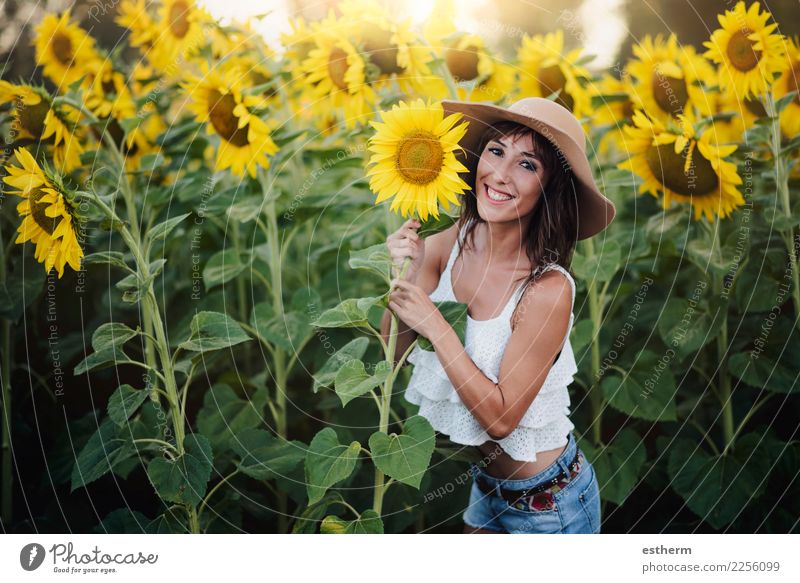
(546, 423)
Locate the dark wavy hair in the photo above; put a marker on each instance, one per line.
(552, 232)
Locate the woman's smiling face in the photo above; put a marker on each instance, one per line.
(509, 178)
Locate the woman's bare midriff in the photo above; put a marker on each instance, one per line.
(501, 465)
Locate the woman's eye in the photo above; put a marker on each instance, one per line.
(498, 152)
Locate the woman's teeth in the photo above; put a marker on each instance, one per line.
(496, 196)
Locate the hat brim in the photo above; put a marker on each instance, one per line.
(595, 211)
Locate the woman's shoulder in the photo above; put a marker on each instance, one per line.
(553, 290)
(555, 267)
(556, 280)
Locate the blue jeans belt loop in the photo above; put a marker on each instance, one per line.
(564, 466)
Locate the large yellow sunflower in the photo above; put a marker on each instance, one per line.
(35, 118)
(668, 77)
(683, 166)
(337, 74)
(747, 51)
(413, 158)
(63, 49)
(546, 69)
(217, 100)
(48, 215)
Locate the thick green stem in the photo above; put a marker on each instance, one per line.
(279, 355)
(240, 288)
(782, 183)
(386, 400)
(150, 354)
(162, 346)
(194, 521)
(722, 349)
(750, 412)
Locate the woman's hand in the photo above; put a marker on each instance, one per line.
(413, 306)
(405, 242)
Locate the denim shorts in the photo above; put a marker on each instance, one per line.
(574, 508)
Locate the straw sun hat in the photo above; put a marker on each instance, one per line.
(562, 129)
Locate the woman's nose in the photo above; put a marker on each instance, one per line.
(501, 171)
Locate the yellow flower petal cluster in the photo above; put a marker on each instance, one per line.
(35, 118)
(218, 100)
(63, 49)
(748, 51)
(336, 75)
(683, 166)
(48, 216)
(413, 158)
(667, 77)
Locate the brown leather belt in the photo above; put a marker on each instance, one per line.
(556, 483)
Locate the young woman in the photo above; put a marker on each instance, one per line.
(507, 258)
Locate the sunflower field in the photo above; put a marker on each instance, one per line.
(194, 272)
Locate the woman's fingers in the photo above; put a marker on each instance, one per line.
(405, 232)
(400, 252)
(396, 299)
(406, 245)
(409, 226)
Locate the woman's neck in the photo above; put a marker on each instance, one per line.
(501, 243)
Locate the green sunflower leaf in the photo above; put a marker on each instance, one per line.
(328, 462)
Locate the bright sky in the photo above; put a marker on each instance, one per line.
(598, 21)
(604, 30)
